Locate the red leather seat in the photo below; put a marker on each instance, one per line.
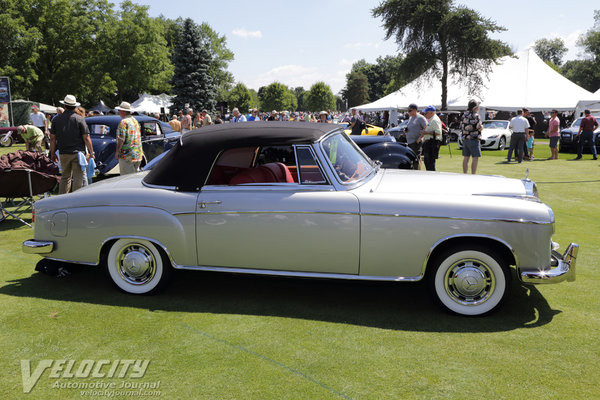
(268, 173)
(281, 172)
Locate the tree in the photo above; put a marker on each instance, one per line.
(550, 50)
(320, 97)
(451, 40)
(586, 72)
(299, 93)
(276, 96)
(357, 89)
(139, 57)
(240, 97)
(19, 46)
(192, 82)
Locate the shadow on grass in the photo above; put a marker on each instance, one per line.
(396, 306)
(9, 224)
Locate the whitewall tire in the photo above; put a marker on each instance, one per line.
(137, 266)
(469, 281)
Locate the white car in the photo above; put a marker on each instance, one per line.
(495, 135)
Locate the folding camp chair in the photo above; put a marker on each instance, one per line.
(20, 187)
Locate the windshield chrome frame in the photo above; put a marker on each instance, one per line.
(334, 178)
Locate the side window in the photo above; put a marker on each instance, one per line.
(308, 170)
(151, 128)
(280, 154)
(99, 129)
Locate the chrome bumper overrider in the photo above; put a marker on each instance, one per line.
(562, 268)
(33, 246)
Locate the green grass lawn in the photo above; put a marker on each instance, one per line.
(218, 336)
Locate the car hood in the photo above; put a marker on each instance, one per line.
(485, 133)
(445, 183)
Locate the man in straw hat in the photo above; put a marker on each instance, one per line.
(70, 136)
(129, 141)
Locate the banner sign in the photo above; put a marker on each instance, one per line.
(4, 101)
(4, 90)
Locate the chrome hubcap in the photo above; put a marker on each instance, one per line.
(136, 263)
(469, 282)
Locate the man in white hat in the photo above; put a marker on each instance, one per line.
(70, 135)
(129, 141)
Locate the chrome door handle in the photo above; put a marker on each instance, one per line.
(204, 203)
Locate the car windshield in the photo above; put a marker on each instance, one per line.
(495, 124)
(349, 163)
(576, 123)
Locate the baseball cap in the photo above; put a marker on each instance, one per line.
(429, 108)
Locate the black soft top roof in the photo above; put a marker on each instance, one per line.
(186, 166)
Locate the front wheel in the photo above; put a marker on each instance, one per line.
(6, 140)
(469, 281)
(137, 266)
(502, 143)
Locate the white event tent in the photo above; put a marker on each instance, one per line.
(151, 104)
(523, 80)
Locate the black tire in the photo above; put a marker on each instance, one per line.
(469, 280)
(502, 143)
(137, 266)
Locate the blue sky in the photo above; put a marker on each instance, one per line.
(300, 43)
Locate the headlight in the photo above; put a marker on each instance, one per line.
(492, 137)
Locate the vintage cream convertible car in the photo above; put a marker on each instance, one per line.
(302, 200)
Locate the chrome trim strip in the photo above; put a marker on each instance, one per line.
(299, 274)
(522, 221)
(281, 186)
(564, 269)
(33, 246)
(442, 240)
(204, 212)
(158, 186)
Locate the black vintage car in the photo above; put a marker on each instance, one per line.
(569, 143)
(157, 137)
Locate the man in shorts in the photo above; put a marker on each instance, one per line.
(554, 134)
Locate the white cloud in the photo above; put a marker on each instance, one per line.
(243, 33)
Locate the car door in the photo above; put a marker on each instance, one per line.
(304, 226)
(153, 139)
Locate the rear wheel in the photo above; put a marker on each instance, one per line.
(469, 281)
(137, 266)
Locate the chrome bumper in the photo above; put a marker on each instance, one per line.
(562, 268)
(33, 246)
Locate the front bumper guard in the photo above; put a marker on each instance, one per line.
(33, 246)
(562, 268)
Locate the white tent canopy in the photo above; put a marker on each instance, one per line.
(597, 93)
(515, 82)
(151, 104)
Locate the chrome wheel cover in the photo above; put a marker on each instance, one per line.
(136, 264)
(469, 282)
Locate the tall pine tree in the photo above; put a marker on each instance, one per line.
(192, 82)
